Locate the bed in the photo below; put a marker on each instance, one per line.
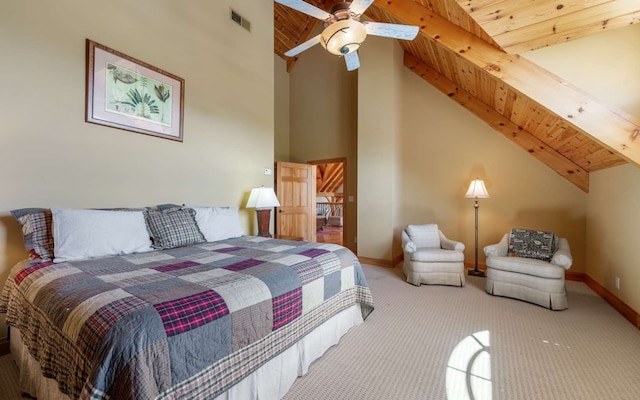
(240, 317)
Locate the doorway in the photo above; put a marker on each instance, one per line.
(330, 205)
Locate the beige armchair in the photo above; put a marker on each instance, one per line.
(431, 258)
(531, 275)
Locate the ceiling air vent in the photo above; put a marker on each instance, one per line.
(238, 19)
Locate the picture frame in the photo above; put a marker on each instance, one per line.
(125, 93)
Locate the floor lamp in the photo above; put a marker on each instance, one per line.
(477, 191)
(263, 200)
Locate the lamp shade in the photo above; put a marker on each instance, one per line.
(262, 197)
(343, 37)
(477, 190)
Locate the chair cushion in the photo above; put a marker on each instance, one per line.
(436, 255)
(424, 235)
(527, 266)
(531, 243)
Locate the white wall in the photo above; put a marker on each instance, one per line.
(323, 125)
(51, 158)
(282, 131)
(379, 126)
(613, 227)
(418, 150)
(323, 102)
(605, 66)
(445, 147)
(441, 147)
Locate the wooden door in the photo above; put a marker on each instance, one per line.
(296, 191)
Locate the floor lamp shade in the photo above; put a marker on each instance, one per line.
(476, 191)
(263, 199)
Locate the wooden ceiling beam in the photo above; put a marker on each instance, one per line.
(522, 25)
(563, 166)
(333, 178)
(610, 127)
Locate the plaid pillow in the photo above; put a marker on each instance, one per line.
(37, 232)
(531, 243)
(174, 228)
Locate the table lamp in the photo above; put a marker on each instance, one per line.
(263, 199)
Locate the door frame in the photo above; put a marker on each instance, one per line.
(343, 161)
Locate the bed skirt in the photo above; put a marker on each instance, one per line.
(271, 381)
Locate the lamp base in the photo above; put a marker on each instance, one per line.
(264, 217)
(476, 272)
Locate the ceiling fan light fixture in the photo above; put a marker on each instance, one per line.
(343, 37)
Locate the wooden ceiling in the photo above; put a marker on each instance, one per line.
(469, 49)
(330, 179)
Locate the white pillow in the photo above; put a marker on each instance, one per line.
(424, 235)
(410, 247)
(218, 223)
(81, 234)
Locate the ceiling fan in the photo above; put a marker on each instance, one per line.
(344, 33)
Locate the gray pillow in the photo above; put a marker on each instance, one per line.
(174, 228)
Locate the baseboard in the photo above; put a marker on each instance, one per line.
(398, 259)
(629, 313)
(4, 346)
(575, 276)
(382, 263)
(376, 262)
(620, 306)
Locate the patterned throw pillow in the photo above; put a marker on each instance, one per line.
(37, 232)
(174, 228)
(529, 243)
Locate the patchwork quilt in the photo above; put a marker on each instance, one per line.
(189, 322)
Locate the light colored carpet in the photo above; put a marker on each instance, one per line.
(8, 379)
(588, 351)
(403, 349)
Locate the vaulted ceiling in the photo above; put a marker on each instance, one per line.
(469, 50)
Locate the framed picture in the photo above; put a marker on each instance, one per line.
(128, 94)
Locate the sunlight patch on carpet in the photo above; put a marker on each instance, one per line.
(469, 369)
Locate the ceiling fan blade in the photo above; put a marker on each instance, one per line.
(396, 31)
(303, 46)
(306, 8)
(358, 7)
(352, 60)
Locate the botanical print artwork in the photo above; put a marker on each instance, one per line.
(129, 94)
(133, 94)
